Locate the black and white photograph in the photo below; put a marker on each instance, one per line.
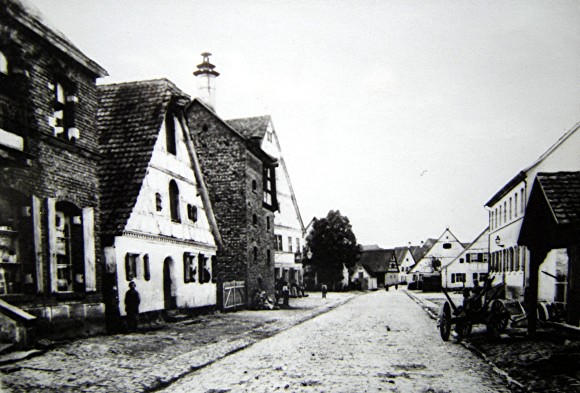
(338, 196)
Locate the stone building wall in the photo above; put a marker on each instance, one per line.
(234, 180)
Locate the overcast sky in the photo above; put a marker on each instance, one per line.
(405, 116)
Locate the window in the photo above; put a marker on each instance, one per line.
(3, 64)
(213, 266)
(523, 204)
(255, 254)
(516, 205)
(297, 244)
(189, 267)
(62, 119)
(204, 273)
(461, 260)
(174, 201)
(510, 209)
(158, 202)
(268, 257)
(131, 266)
(496, 219)
(279, 243)
(269, 186)
(254, 185)
(289, 244)
(192, 213)
(452, 278)
(505, 212)
(269, 136)
(447, 246)
(146, 268)
(268, 222)
(69, 248)
(170, 133)
(474, 276)
(254, 219)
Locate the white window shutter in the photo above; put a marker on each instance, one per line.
(37, 238)
(51, 212)
(89, 247)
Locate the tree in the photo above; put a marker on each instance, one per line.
(333, 245)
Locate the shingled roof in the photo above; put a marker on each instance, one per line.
(251, 127)
(562, 192)
(377, 261)
(129, 118)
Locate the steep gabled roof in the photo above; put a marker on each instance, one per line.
(419, 252)
(129, 119)
(522, 174)
(484, 233)
(251, 127)
(400, 253)
(562, 192)
(377, 261)
(29, 16)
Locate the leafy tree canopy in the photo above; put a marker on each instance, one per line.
(333, 244)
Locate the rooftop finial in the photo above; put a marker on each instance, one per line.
(206, 75)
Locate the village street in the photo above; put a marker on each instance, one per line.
(381, 341)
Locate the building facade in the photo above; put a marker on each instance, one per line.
(158, 227)
(509, 262)
(288, 226)
(470, 265)
(49, 199)
(241, 182)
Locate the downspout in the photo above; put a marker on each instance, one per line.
(200, 182)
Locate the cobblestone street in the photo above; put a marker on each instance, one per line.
(157, 354)
(381, 341)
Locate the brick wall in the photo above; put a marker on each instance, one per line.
(229, 169)
(50, 167)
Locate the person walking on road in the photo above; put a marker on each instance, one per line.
(324, 290)
(132, 301)
(286, 294)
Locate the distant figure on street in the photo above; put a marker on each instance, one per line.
(132, 301)
(285, 294)
(324, 290)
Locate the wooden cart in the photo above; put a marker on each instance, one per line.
(484, 307)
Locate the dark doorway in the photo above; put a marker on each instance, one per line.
(168, 292)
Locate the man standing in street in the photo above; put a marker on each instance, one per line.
(132, 300)
(324, 290)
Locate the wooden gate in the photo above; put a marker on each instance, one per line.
(234, 294)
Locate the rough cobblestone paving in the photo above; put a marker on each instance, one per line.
(155, 356)
(381, 341)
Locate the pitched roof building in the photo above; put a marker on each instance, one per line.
(158, 228)
(288, 225)
(241, 183)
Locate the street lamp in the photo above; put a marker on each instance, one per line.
(498, 242)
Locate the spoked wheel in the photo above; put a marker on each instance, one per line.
(499, 315)
(445, 321)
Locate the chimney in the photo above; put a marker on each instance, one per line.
(206, 75)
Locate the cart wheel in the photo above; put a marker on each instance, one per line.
(499, 316)
(445, 321)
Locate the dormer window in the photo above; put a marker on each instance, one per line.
(170, 133)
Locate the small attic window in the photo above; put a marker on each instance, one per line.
(447, 246)
(170, 133)
(158, 202)
(269, 136)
